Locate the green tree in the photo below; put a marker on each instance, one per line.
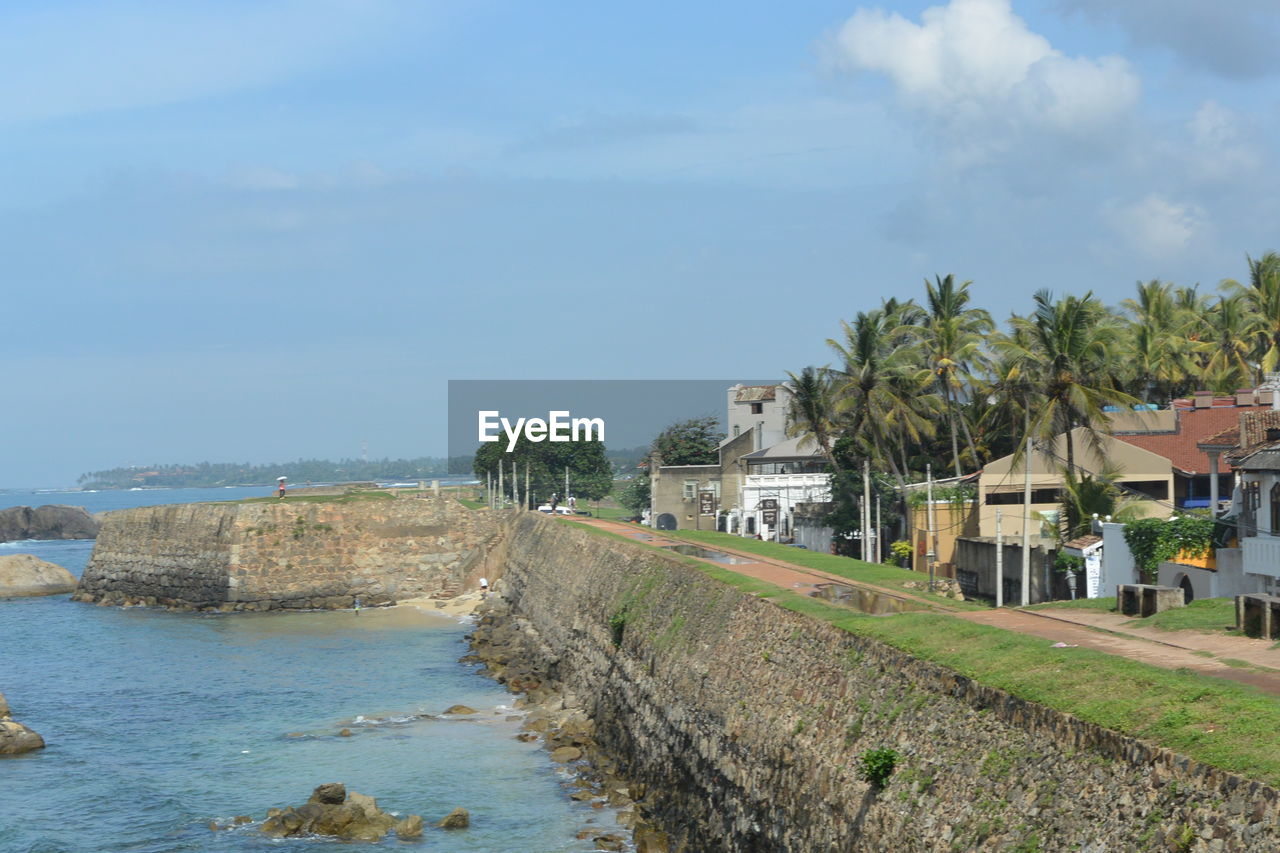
(1262, 295)
(812, 410)
(1068, 355)
(545, 463)
(695, 441)
(952, 336)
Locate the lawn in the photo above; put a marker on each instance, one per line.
(886, 577)
(1212, 720)
(1211, 615)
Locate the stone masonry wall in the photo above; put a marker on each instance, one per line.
(745, 723)
(287, 554)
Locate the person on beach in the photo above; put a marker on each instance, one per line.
(280, 487)
(484, 588)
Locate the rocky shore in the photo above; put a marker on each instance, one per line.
(510, 651)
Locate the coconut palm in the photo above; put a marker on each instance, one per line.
(1160, 339)
(1230, 331)
(1262, 295)
(881, 392)
(1067, 355)
(951, 345)
(812, 410)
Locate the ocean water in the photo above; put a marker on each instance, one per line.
(158, 723)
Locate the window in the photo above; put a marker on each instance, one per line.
(1038, 496)
(736, 430)
(757, 408)
(690, 489)
(1275, 510)
(1154, 489)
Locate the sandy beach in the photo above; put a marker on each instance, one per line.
(460, 605)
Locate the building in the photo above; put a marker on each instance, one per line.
(760, 479)
(1201, 472)
(1144, 475)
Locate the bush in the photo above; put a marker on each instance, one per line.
(901, 551)
(877, 765)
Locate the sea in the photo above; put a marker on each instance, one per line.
(159, 724)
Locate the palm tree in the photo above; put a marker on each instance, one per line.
(1262, 295)
(1160, 338)
(812, 410)
(1231, 329)
(880, 391)
(952, 336)
(1066, 353)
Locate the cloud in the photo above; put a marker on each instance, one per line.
(976, 66)
(1235, 39)
(1156, 226)
(1223, 148)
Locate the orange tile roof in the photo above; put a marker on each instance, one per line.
(1195, 426)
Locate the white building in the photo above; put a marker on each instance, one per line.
(777, 478)
(1259, 519)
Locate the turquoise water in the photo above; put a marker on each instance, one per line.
(158, 723)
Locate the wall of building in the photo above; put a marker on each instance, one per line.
(949, 523)
(744, 724)
(975, 568)
(270, 555)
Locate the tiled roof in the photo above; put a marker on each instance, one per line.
(1195, 426)
(1082, 542)
(755, 393)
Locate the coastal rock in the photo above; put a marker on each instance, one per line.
(459, 818)
(410, 827)
(23, 575)
(332, 811)
(459, 709)
(15, 738)
(47, 522)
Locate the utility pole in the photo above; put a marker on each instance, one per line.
(932, 556)
(879, 527)
(515, 484)
(566, 485)
(1026, 514)
(526, 484)
(999, 560)
(867, 535)
(502, 493)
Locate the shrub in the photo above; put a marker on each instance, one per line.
(877, 765)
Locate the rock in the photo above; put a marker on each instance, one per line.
(410, 827)
(15, 738)
(333, 811)
(332, 792)
(345, 733)
(608, 842)
(4, 707)
(459, 709)
(23, 574)
(459, 818)
(565, 754)
(650, 840)
(46, 522)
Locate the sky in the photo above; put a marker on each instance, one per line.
(259, 231)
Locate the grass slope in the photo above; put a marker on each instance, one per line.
(1212, 720)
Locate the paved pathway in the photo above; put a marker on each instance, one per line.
(1093, 629)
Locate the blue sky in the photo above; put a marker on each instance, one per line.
(259, 231)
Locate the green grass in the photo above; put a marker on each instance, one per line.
(1218, 722)
(612, 513)
(1108, 603)
(885, 577)
(1213, 615)
(470, 504)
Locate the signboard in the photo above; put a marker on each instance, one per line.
(769, 512)
(1092, 575)
(706, 503)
